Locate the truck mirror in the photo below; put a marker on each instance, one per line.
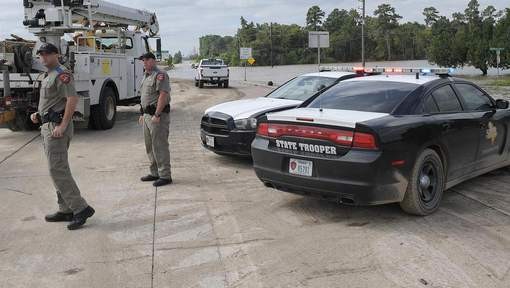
(158, 48)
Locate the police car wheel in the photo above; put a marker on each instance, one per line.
(196, 83)
(103, 115)
(201, 84)
(220, 84)
(426, 185)
(225, 84)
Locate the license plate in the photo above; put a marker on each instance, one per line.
(209, 141)
(300, 167)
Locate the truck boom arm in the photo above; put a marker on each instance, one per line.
(42, 16)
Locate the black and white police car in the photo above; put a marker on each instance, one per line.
(385, 138)
(229, 128)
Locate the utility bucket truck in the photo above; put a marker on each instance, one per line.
(100, 42)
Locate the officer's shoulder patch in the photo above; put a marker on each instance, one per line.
(161, 76)
(65, 77)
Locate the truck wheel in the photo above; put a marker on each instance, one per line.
(102, 116)
(22, 122)
(225, 84)
(220, 84)
(196, 83)
(426, 185)
(201, 84)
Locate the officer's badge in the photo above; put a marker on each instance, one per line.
(492, 133)
(65, 78)
(161, 77)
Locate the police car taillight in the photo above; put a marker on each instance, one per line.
(364, 141)
(341, 137)
(262, 129)
(337, 136)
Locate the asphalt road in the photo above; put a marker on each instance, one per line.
(218, 226)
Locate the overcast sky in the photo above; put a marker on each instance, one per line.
(182, 22)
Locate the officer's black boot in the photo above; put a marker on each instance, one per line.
(80, 218)
(149, 178)
(59, 217)
(162, 182)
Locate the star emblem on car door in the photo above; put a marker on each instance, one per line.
(491, 133)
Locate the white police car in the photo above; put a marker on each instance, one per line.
(229, 128)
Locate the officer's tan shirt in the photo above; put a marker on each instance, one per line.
(153, 83)
(57, 85)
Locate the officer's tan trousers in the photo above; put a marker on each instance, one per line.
(156, 145)
(68, 194)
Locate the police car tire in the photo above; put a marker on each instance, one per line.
(196, 83)
(225, 84)
(201, 84)
(413, 202)
(98, 112)
(220, 84)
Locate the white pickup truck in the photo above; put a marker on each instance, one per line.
(212, 71)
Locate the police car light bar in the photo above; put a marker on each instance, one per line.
(400, 70)
(396, 70)
(336, 69)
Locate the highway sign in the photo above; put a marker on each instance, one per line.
(245, 53)
(251, 61)
(318, 39)
(498, 56)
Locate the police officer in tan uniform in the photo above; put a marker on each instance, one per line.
(155, 118)
(57, 104)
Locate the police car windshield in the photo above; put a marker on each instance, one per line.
(368, 96)
(301, 88)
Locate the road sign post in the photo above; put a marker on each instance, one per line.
(245, 53)
(498, 57)
(318, 39)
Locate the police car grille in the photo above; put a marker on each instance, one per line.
(215, 125)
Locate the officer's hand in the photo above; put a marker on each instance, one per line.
(140, 120)
(58, 132)
(34, 119)
(155, 119)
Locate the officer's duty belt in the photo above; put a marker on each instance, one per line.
(53, 117)
(151, 109)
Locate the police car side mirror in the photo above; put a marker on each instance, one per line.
(502, 104)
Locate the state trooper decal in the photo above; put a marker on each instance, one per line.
(304, 147)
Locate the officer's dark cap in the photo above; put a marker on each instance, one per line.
(47, 48)
(147, 55)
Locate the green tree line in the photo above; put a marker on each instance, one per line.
(462, 39)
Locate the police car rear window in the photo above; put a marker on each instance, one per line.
(367, 96)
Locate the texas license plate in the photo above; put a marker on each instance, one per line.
(300, 167)
(209, 141)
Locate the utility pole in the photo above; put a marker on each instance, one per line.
(271, 37)
(363, 6)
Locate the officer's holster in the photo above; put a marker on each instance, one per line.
(52, 116)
